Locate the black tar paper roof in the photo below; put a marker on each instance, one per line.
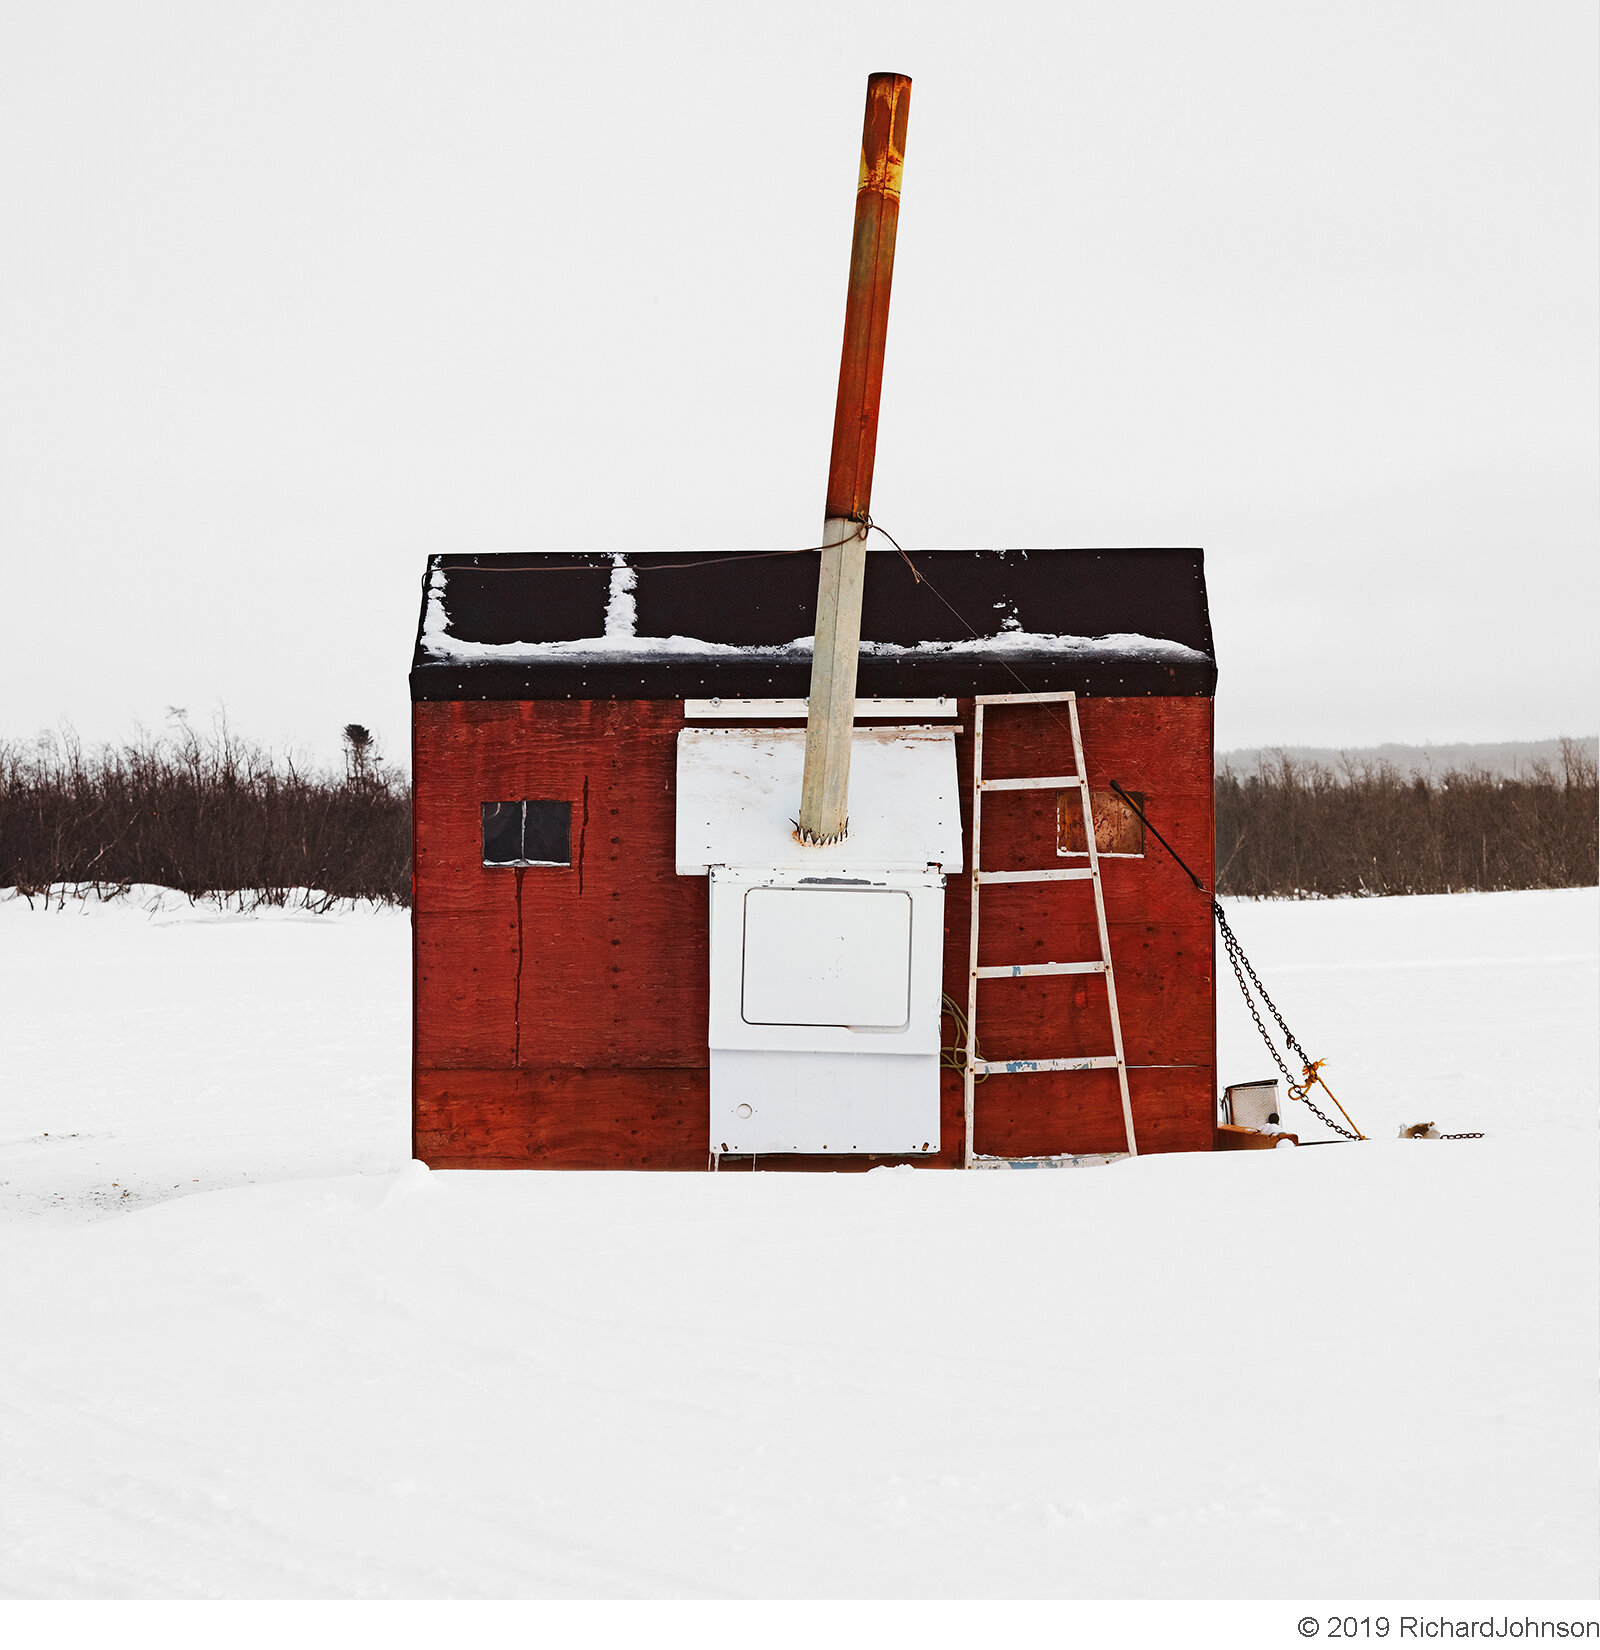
(738, 624)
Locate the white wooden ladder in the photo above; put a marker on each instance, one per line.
(974, 1067)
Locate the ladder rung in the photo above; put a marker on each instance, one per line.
(1028, 784)
(1025, 698)
(1092, 1062)
(1075, 874)
(1013, 971)
(1066, 1160)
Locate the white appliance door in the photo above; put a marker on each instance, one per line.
(827, 957)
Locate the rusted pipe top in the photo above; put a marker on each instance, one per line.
(866, 324)
(883, 135)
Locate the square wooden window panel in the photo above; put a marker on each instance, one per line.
(1118, 830)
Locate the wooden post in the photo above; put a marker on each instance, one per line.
(825, 790)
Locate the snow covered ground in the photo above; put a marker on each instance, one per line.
(248, 1351)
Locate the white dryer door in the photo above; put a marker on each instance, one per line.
(827, 957)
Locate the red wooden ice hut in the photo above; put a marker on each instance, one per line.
(607, 756)
(820, 859)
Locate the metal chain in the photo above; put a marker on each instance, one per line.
(1241, 967)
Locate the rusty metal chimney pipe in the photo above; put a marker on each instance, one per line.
(825, 789)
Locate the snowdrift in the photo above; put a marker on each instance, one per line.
(1370, 1374)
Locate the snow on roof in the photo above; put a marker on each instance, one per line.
(615, 625)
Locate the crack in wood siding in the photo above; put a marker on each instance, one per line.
(583, 833)
(516, 995)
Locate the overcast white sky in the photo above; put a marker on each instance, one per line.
(293, 295)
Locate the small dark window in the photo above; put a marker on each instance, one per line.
(527, 833)
(502, 833)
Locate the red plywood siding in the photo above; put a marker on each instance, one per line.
(561, 1014)
(600, 965)
(557, 1117)
(1162, 942)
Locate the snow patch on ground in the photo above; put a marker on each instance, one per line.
(157, 1047)
(1341, 1372)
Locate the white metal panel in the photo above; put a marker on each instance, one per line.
(766, 1101)
(918, 1034)
(794, 710)
(739, 792)
(827, 957)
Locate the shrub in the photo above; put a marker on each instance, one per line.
(1301, 828)
(209, 815)
(217, 816)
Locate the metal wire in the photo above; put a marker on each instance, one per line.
(955, 1058)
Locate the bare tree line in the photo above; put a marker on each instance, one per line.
(212, 815)
(1305, 829)
(220, 818)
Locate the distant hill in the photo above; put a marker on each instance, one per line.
(1510, 759)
